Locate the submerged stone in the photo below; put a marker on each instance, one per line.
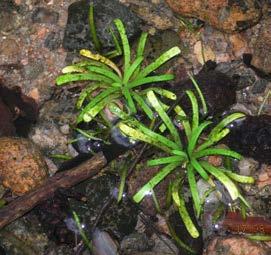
(252, 138)
(77, 33)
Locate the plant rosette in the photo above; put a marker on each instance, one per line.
(109, 83)
(188, 154)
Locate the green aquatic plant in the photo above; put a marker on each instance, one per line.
(110, 83)
(185, 154)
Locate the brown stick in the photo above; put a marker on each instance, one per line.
(65, 179)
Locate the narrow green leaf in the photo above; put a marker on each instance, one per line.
(195, 109)
(129, 100)
(92, 28)
(223, 178)
(96, 100)
(66, 78)
(180, 203)
(217, 151)
(195, 136)
(147, 136)
(140, 101)
(226, 121)
(141, 44)
(202, 99)
(185, 122)
(92, 112)
(162, 92)
(213, 140)
(238, 177)
(193, 188)
(159, 61)
(199, 169)
(148, 187)
(85, 93)
(163, 115)
(73, 69)
(109, 74)
(102, 59)
(123, 175)
(165, 160)
(128, 74)
(125, 44)
(150, 79)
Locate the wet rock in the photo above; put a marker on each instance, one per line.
(239, 72)
(235, 245)
(53, 41)
(261, 58)
(24, 237)
(43, 15)
(218, 89)
(228, 16)
(118, 219)
(77, 34)
(247, 166)
(53, 215)
(252, 137)
(136, 242)
(103, 243)
(18, 111)
(22, 167)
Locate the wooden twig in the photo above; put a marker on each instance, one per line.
(65, 179)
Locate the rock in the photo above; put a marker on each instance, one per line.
(259, 86)
(218, 89)
(43, 15)
(227, 16)
(264, 178)
(53, 41)
(235, 245)
(247, 166)
(136, 242)
(77, 34)
(24, 236)
(261, 57)
(18, 111)
(118, 219)
(252, 137)
(22, 167)
(239, 72)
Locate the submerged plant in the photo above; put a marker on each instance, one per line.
(186, 155)
(110, 83)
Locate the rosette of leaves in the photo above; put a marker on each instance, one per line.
(110, 83)
(187, 153)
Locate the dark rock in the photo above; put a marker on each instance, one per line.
(252, 138)
(259, 86)
(77, 34)
(18, 111)
(53, 41)
(43, 15)
(52, 214)
(240, 73)
(118, 219)
(219, 89)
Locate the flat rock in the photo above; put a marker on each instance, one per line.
(228, 16)
(77, 34)
(261, 58)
